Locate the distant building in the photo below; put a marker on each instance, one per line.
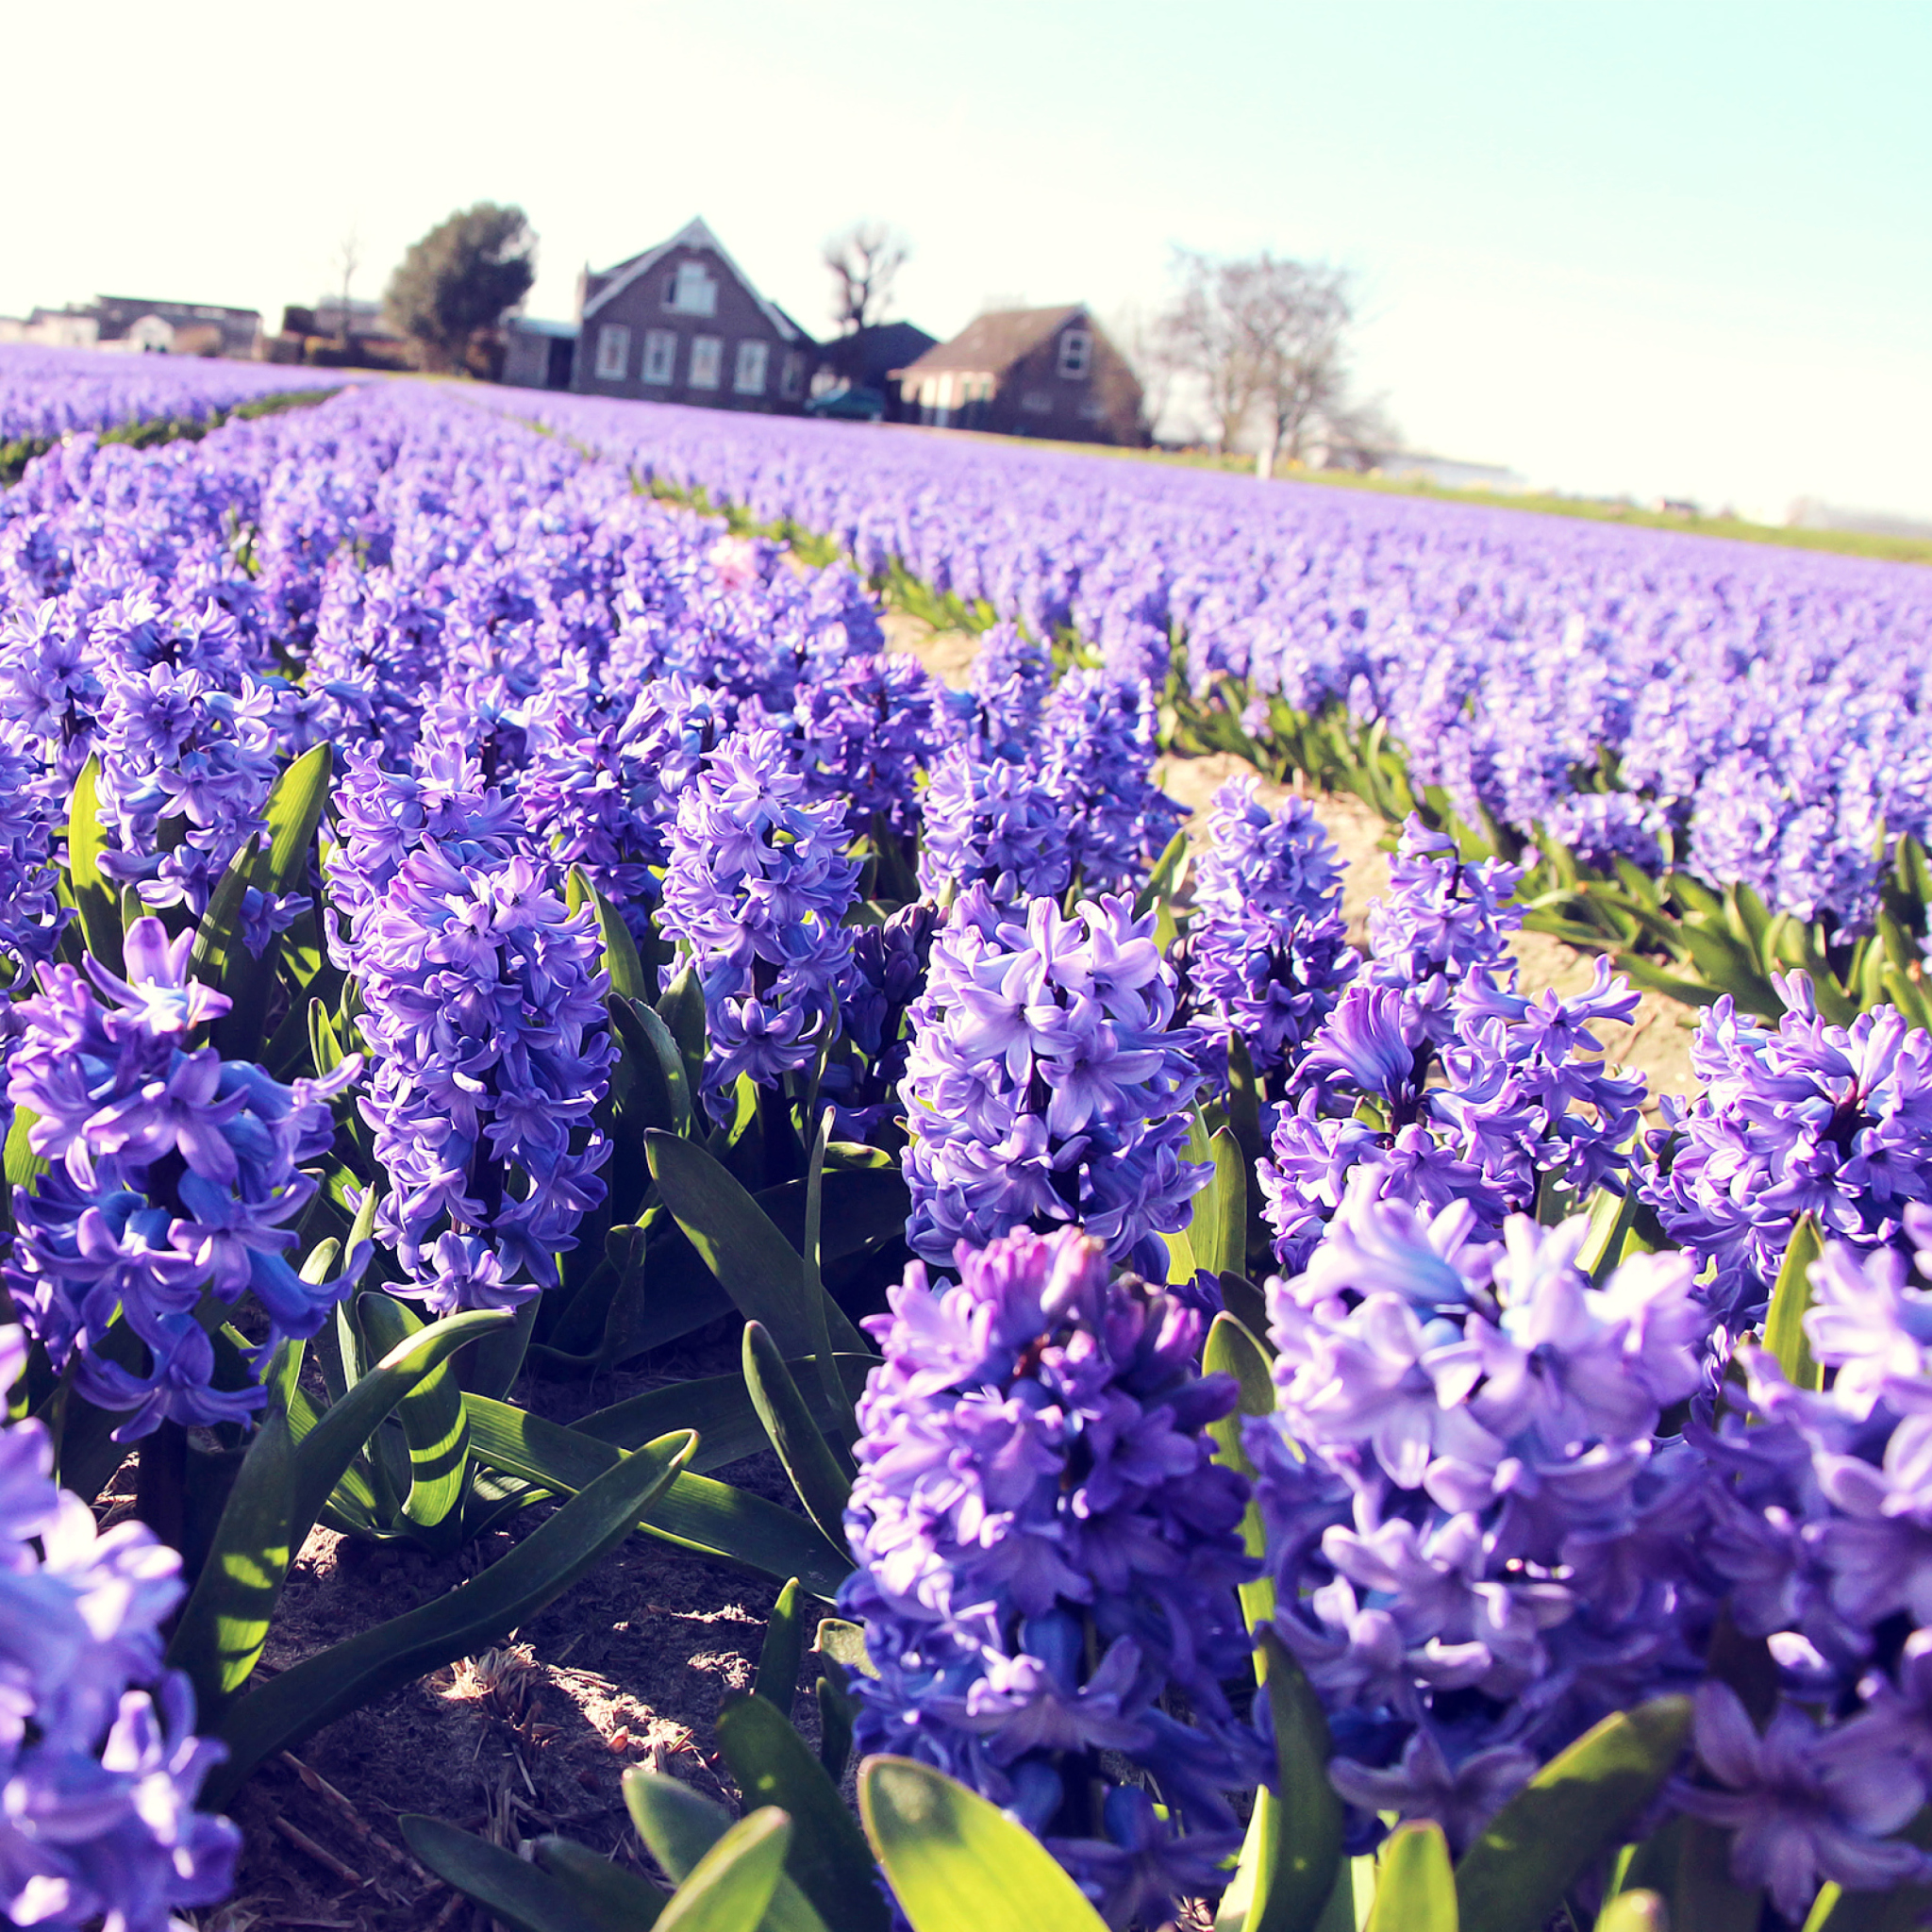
(137, 324)
(683, 322)
(1027, 372)
(537, 355)
(855, 371)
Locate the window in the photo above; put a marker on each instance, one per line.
(613, 352)
(660, 354)
(748, 372)
(692, 290)
(1038, 401)
(791, 382)
(1076, 352)
(707, 358)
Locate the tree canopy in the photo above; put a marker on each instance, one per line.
(460, 278)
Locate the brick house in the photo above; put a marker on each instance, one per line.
(682, 323)
(1027, 372)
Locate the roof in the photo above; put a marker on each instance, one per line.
(530, 325)
(870, 355)
(694, 234)
(994, 342)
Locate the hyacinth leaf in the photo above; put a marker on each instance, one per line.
(838, 1714)
(324, 1453)
(682, 1010)
(1164, 881)
(508, 1888)
(1513, 1878)
(1219, 1230)
(829, 1860)
(783, 1651)
(956, 1863)
(808, 1459)
(1289, 1863)
(224, 1622)
(218, 949)
(553, 1555)
(1783, 1324)
(294, 811)
(620, 959)
(1611, 1219)
(1180, 1258)
(657, 1065)
(434, 1426)
(96, 900)
(491, 1365)
(1635, 1911)
(729, 1889)
(1705, 1896)
(720, 1407)
(845, 1428)
(679, 1826)
(1230, 1350)
(709, 1518)
(754, 1263)
(24, 1166)
(618, 1900)
(1415, 1888)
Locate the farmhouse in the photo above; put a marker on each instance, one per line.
(1027, 372)
(137, 324)
(682, 323)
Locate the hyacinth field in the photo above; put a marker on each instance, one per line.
(543, 1059)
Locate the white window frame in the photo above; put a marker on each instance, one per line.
(1077, 354)
(613, 351)
(692, 289)
(707, 367)
(660, 356)
(750, 367)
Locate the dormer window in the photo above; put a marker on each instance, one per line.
(692, 290)
(1076, 352)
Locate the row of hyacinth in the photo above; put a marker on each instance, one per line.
(1763, 709)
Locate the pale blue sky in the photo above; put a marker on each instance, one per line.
(1670, 248)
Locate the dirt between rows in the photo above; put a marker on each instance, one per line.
(632, 1665)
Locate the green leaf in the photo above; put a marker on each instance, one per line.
(551, 1558)
(520, 1896)
(682, 1010)
(1415, 1889)
(1903, 1908)
(294, 810)
(619, 1900)
(783, 1651)
(1292, 1855)
(1219, 1230)
(709, 1519)
(1230, 1350)
(829, 1860)
(24, 1166)
(719, 1407)
(325, 1451)
(956, 1863)
(754, 1263)
(434, 1426)
(621, 959)
(730, 1887)
(1513, 1878)
(1705, 1899)
(1164, 880)
(664, 1093)
(224, 1621)
(823, 1486)
(1634, 1911)
(96, 902)
(679, 1826)
(846, 1427)
(218, 950)
(1783, 1324)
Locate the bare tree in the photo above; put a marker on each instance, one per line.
(348, 260)
(863, 260)
(1265, 338)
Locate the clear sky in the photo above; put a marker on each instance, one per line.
(1670, 246)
